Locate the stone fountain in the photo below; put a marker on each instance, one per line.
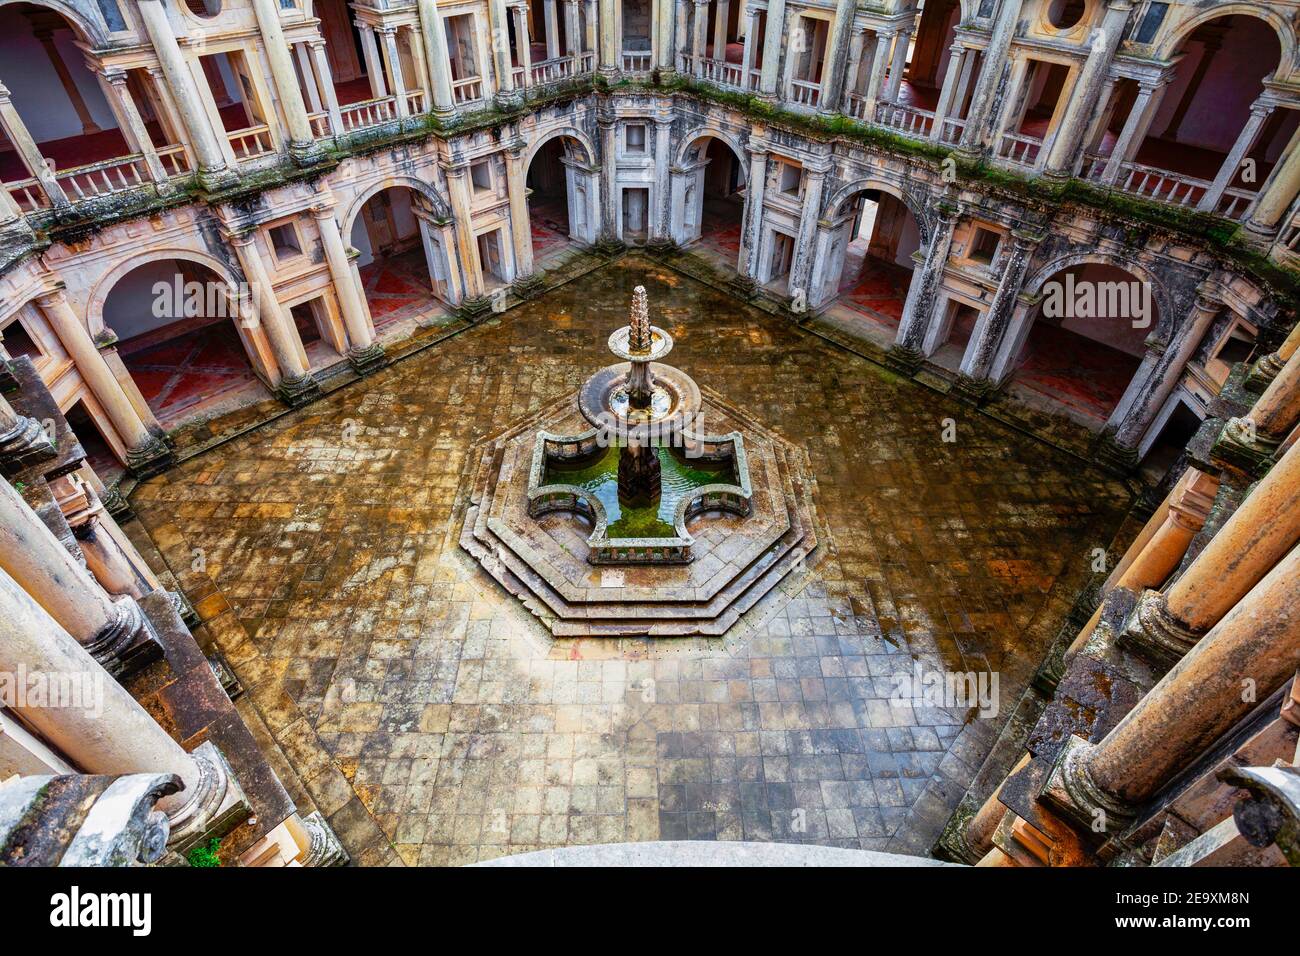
(614, 512)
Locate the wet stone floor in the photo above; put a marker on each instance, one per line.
(421, 704)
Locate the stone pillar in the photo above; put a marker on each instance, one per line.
(699, 36)
(302, 145)
(772, 44)
(593, 42)
(947, 95)
(521, 233)
(500, 33)
(23, 441)
(611, 44)
(665, 42)
(32, 556)
(523, 43)
(661, 219)
(435, 41)
(988, 333)
(133, 128)
(1189, 709)
(897, 65)
(550, 16)
(145, 452)
(876, 76)
(801, 265)
(458, 196)
(1262, 529)
(1267, 368)
(918, 309)
(374, 65)
(1163, 374)
(109, 555)
(835, 67)
(857, 46)
(752, 226)
(1250, 441)
(17, 133)
(1085, 98)
(996, 61)
(212, 171)
(388, 36)
(1260, 111)
(321, 64)
(572, 42)
(1278, 194)
(118, 736)
(296, 385)
(1134, 131)
(364, 353)
(609, 211)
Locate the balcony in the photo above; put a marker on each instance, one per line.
(638, 61)
(467, 91)
(108, 177)
(805, 93)
(724, 73)
(1020, 149)
(251, 142)
(1165, 186)
(550, 71)
(908, 120)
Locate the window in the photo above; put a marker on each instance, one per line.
(791, 178)
(17, 341)
(480, 174)
(636, 138)
(984, 245)
(284, 240)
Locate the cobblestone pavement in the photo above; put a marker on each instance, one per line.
(466, 731)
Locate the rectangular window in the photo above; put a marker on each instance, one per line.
(984, 245)
(636, 138)
(284, 240)
(791, 178)
(17, 341)
(480, 174)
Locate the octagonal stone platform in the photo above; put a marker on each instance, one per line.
(543, 561)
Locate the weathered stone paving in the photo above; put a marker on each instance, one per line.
(467, 731)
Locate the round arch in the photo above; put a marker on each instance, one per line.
(89, 31)
(1285, 36)
(1049, 270)
(705, 132)
(95, 305)
(440, 205)
(570, 131)
(845, 193)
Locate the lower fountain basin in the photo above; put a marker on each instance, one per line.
(675, 405)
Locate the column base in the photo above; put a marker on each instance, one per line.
(216, 806)
(1072, 792)
(215, 180)
(296, 392)
(526, 287)
(24, 445)
(972, 391)
(306, 154)
(325, 850)
(474, 308)
(661, 246)
(1114, 457)
(8, 380)
(151, 457)
(608, 245)
(446, 115)
(117, 505)
(744, 286)
(1241, 447)
(904, 360)
(128, 644)
(1262, 373)
(509, 99)
(1154, 634)
(367, 360)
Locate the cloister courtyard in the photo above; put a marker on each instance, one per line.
(401, 681)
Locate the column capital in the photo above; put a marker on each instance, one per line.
(323, 209)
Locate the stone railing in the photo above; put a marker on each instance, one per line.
(602, 549)
(906, 119)
(548, 71)
(251, 142)
(1019, 149)
(804, 93)
(1172, 188)
(637, 61)
(28, 194)
(468, 90)
(727, 74)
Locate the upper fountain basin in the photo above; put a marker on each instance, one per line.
(661, 343)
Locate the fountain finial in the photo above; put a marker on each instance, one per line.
(639, 339)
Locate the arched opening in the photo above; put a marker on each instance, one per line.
(403, 262)
(181, 339)
(1178, 143)
(865, 263)
(559, 198)
(713, 192)
(75, 115)
(1081, 344)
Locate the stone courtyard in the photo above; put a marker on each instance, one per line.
(422, 706)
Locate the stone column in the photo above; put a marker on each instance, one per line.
(1164, 372)
(611, 44)
(947, 95)
(1190, 708)
(1267, 368)
(1260, 111)
(23, 441)
(1250, 441)
(665, 42)
(364, 353)
(550, 17)
(213, 172)
(876, 76)
(523, 44)
(296, 385)
(660, 221)
(897, 65)
(521, 233)
(751, 231)
(145, 452)
(1262, 529)
(993, 324)
(857, 45)
(388, 36)
(115, 737)
(772, 44)
(572, 42)
(374, 65)
(810, 212)
(302, 146)
(918, 309)
(1062, 157)
(837, 54)
(609, 211)
(17, 133)
(137, 135)
(1278, 193)
(458, 195)
(996, 61)
(109, 555)
(593, 42)
(321, 64)
(1134, 131)
(699, 36)
(500, 33)
(435, 41)
(32, 556)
